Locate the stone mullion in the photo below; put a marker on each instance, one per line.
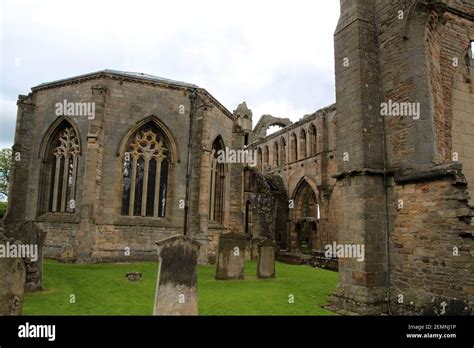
(64, 184)
(74, 173)
(213, 189)
(156, 206)
(221, 195)
(55, 187)
(145, 185)
(132, 186)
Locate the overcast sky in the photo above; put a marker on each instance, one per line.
(275, 55)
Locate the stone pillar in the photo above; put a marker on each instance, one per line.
(176, 284)
(230, 256)
(92, 169)
(12, 283)
(18, 197)
(266, 259)
(362, 284)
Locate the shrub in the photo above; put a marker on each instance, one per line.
(3, 209)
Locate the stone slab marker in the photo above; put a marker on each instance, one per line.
(176, 284)
(30, 234)
(12, 284)
(266, 259)
(230, 256)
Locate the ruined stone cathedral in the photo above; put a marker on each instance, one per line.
(112, 162)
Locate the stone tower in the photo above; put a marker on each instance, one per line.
(404, 178)
(244, 120)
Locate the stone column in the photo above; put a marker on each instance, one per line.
(362, 284)
(176, 284)
(92, 174)
(230, 256)
(266, 259)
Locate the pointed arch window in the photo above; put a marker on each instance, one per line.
(145, 173)
(276, 161)
(217, 184)
(283, 151)
(294, 147)
(313, 145)
(303, 143)
(260, 159)
(266, 157)
(59, 170)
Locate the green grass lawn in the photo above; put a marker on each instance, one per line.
(102, 289)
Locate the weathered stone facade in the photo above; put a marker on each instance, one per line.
(403, 193)
(96, 229)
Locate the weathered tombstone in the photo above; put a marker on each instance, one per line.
(230, 256)
(133, 276)
(266, 259)
(176, 284)
(33, 237)
(12, 283)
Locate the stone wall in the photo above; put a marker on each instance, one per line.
(308, 160)
(123, 102)
(399, 180)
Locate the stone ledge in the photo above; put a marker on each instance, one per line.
(357, 172)
(438, 172)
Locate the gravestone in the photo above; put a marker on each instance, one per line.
(266, 259)
(12, 283)
(230, 256)
(29, 234)
(255, 242)
(176, 284)
(133, 276)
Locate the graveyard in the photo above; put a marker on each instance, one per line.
(103, 289)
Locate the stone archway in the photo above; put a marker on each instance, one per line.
(304, 226)
(266, 121)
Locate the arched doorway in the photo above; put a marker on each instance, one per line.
(304, 222)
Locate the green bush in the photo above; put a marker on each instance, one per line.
(3, 209)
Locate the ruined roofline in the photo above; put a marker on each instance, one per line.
(305, 119)
(133, 77)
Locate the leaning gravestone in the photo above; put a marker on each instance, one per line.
(12, 283)
(266, 259)
(176, 285)
(230, 256)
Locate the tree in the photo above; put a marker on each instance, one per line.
(5, 166)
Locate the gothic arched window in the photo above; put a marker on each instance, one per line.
(294, 147)
(217, 183)
(59, 170)
(266, 156)
(303, 143)
(313, 145)
(259, 159)
(145, 173)
(283, 151)
(276, 161)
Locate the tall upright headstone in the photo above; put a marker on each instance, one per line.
(176, 284)
(266, 259)
(12, 283)
(230, 256)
